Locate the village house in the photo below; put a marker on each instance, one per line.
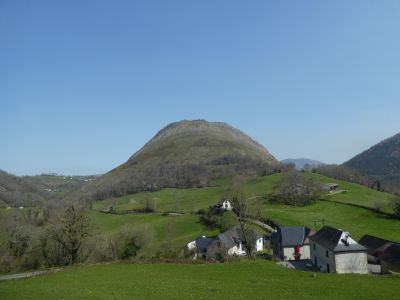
(291, 243)
(376, 249)
(330, 187)
(334, 251)
(390, 261)
(224, 204)
(229, 243)
(199, 246)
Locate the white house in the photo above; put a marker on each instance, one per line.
(291, 243)
(228, 243)
(224, 204)
(334, 251)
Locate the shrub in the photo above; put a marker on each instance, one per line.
(131, 240)
(396, 207)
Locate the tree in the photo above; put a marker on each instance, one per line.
(297, 189)
(396, 206)
(150, 204)
(246, 210)
(131, 240)
(71, 229)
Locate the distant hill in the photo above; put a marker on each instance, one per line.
(185, 154)
(381, 162)
(301, 162)
(36, 190)
(16, 191)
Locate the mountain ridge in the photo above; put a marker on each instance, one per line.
(186, 154)
(380, 162)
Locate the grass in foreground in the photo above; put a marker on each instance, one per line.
(240, 280)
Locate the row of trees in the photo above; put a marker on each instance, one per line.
(66, 238)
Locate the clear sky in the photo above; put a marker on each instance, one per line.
(84, 84)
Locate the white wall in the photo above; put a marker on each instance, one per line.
(191, 245)
(259, 244)
(351, 262)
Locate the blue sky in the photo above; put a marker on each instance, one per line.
(84, 84)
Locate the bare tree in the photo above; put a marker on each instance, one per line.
(246, 210)
(71, 230)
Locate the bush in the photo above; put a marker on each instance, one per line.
(396, 207)
(101, 248)
(131, 240)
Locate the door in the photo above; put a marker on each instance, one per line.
(328, 269)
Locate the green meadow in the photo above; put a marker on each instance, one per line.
(333, 211)
(259, 279)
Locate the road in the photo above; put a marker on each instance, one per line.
(27, 274)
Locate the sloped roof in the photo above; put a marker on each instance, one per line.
(392, 256)
(292, 235)
(234, 236)
(202, 243)
(329, 238)
(374, 244)
(230, 237)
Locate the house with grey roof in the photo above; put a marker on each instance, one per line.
(224, 204)
(228, 243)
(376, 248)
(199, 246)
(330, 187)
(334, 251)
(390, 260)
(291, 242)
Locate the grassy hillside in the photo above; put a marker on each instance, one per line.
(381, 162)
(241, 280)
(177, 231)
(357, 221)
(184, 154)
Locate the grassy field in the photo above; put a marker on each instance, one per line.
(176, 230)
(240, 280)
(356, 220)
(357, 194)
(189, 200)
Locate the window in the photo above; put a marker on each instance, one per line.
(326, 253)
(314, 246)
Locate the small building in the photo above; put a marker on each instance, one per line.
(291, 243)
(229, 243)
(199, 246)
(330, 187)
(334, 251)
(224, 204)
(390, 260)
(376, 248)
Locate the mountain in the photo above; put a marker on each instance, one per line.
(182, 155)
(380, 162)
(301, 162)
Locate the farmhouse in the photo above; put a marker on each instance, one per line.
(291, 243)
(224, 204)
(199, 246)
(376, 248)
(225, 244)
(390, 261)
(333, 250)
(330, 187)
